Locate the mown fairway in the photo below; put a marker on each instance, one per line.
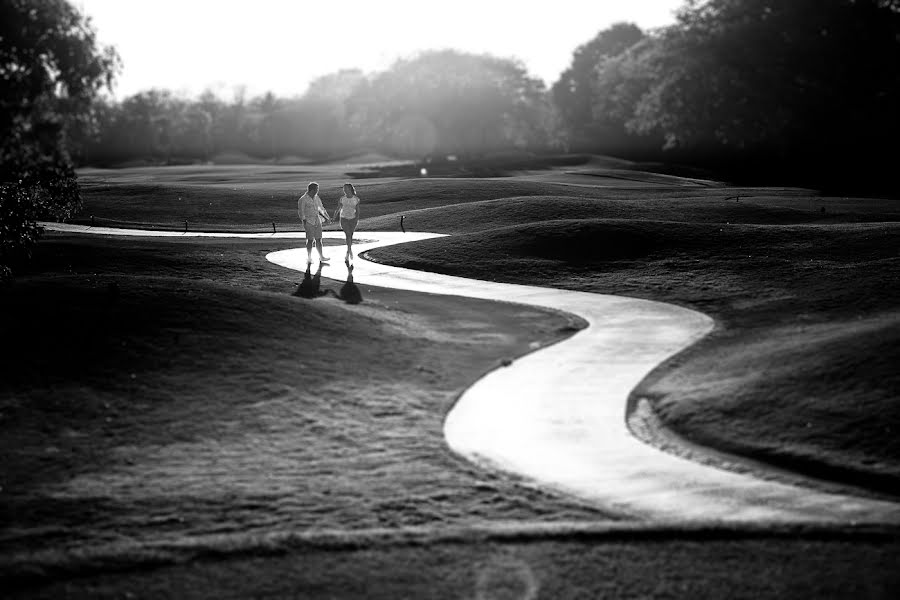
(194, 401)
(799, 372)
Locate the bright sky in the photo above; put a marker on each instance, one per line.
(281, 45)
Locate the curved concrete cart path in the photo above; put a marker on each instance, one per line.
(557, 415)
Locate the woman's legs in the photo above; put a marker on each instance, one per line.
(349, 226)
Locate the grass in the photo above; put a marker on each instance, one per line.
(659, 565)
(681, 206)
(787, 273)
(191, 393)
(252, 197)
(800, 372)
(159, 391)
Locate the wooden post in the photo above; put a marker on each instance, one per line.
(401, 223)
(185, 226)
(273, 227)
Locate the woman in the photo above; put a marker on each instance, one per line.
(348, 210)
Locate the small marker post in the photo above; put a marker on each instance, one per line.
(185, 226)
(402, 228)
(273, 227)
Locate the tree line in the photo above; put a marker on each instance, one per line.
(803, 91)
(438, 102)
(762, 91)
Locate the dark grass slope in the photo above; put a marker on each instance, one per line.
(158, 390)
(801, 371)
(754, 207)
(651, 565)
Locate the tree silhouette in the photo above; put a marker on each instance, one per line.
(805, 86)
(579, 97)
(452, 102)
(52, 71)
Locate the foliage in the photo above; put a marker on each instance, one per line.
(451, 102)
(436, 102)
(52, 71)
(577, 93)
(800, 80)
(806, 88)
(21, 206)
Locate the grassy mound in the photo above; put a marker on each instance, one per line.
(486, 215)
(369, 158)
(249, 196)
(800, 371)
(236, 158)
(816, 398)
(159, 390)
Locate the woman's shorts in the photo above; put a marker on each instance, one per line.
(349, 225)
(313, 229)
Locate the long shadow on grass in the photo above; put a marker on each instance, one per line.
(349, 292)
(311, 285)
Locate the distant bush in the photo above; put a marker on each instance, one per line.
(22, 205)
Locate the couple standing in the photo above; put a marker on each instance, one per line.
(312, 213)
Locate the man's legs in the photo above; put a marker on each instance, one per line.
(309, 245)
(321, 252)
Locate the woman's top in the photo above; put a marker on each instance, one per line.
(348, 207)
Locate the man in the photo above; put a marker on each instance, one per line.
(312, 213)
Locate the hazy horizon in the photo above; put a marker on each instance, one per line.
(194, 45)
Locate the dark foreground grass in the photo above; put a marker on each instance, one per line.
(156, 391)
(801, 370)
(729, 564)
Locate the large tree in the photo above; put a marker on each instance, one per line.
(577, 95)
(453, 102)
(52, 70)
(812, 84)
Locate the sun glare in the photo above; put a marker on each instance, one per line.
(280, 46)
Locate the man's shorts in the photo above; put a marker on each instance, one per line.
(313, 229)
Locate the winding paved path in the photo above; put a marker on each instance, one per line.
(557, 416)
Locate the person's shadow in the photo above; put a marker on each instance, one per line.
(311, 284)
(350, 291)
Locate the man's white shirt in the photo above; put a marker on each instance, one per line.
(310, 208)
